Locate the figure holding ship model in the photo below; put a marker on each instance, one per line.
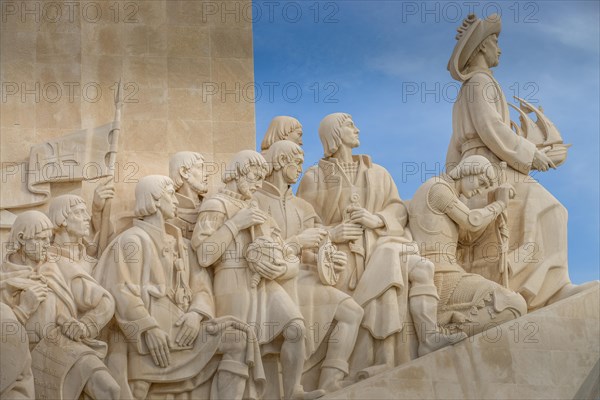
(536, 257)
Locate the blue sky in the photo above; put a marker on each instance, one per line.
(384, 62)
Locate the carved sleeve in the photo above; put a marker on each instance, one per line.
(497, 135)
(212, 236)
(203, 301)
(130, 311)
(440, 197)
(393, 212)
(308, 188)
(96, 306)
(473, 220)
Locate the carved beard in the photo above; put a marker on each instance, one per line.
(244, 188)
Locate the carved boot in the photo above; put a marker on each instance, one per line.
(333, 373)
(423, 309)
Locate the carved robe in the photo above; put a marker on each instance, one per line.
(187, 215)
(537, 222)
(318, 303)
(61, 366)
(376, 279)
(16, 379)
(268, 307)
(154, 283)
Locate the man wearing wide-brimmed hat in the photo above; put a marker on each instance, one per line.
(537, 259)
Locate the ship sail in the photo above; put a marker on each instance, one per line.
(529, 129)
(543, 133)
(551, 133)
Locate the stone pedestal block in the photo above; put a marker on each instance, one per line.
(552, 353)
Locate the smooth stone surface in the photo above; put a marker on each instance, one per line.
(167, 51)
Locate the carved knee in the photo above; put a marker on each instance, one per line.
(350, 312)
(101, 385)
(139, 389)
(234, 342)
(113, 390)
(421, 270)
(295, 331)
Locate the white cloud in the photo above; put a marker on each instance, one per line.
(574, 28)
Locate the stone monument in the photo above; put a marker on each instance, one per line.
(217, 281)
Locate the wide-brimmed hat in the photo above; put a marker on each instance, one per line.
(471, 34)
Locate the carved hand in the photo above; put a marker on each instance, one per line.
(363, 217)
(504, 193)
(312, 237)
(157, 341)
(542, 162)
(339, 259)
(346, 232)
(32, 297)
(190, 327)
(248, 217)
(268, 269)
(75, 330)
(105, 190)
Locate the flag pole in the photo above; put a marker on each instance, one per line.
(111, 165)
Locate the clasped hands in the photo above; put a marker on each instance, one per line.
(504, 193)
(157, 340)
(266, 258)
(360, 219)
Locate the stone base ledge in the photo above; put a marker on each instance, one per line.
(552, 353)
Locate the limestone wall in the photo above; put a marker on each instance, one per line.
(59, 62)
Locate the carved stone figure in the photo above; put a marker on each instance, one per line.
(16, 378)
(63, 315)
(164, 307)
(282, 128)
(358, 202)
(537, 222)
(187, 171)
(247, 286)
(73, 241)
(322, 306)
(467, 301)
(76, 231)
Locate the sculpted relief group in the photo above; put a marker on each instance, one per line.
(257, 292)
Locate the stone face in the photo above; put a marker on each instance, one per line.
(510, 361)
(218, 267)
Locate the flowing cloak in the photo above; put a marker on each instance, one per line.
(61, 367)
(268, 307)
(537, 222)
(16, 379)
(96, 303)
(140, 268)
(318, 303)
(381, 286)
